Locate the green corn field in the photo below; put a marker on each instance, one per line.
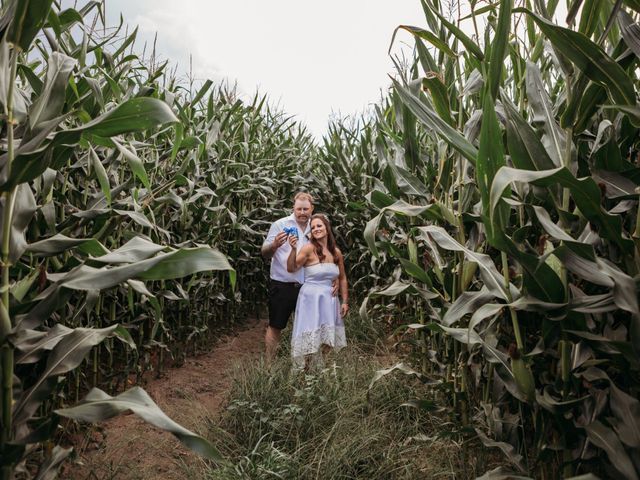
(488, 211)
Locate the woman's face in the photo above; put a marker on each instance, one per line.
(318, 230)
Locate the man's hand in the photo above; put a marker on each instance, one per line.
(268, 250)
(279, 241)
(335, 287)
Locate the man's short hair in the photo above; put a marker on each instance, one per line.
(303, 196)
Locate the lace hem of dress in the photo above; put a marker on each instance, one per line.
(309, 342)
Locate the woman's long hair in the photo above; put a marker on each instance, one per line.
(331, 241)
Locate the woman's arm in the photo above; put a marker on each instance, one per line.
(343, 285)
(295, 260)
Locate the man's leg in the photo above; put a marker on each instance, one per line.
(271, 341)
(282, 303)
(278, 314)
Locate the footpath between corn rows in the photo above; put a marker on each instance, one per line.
(128, 448)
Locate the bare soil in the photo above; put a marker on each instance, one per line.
(127, 448)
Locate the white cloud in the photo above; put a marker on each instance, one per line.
(313, 58)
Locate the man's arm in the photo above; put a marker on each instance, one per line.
(269, 249)
(275, 238)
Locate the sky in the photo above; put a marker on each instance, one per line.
(314, 59)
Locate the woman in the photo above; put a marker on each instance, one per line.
(318, 318)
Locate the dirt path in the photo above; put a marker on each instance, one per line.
(127, 448)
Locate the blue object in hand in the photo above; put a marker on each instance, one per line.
(291, 231)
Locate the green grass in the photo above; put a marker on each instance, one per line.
(364, 333)
(280, 423)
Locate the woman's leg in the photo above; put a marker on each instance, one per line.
(316, 361)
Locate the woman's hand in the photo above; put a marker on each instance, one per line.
(344, 309)
(293, 261)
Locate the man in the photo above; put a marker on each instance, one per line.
(284, 286)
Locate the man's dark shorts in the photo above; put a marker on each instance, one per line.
(282, 302)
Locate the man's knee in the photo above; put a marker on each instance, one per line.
(273, 333)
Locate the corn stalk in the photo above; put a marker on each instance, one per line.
(547, 142)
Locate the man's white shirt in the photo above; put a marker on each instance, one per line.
(279, 259)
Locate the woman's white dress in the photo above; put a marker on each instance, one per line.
(317, 318)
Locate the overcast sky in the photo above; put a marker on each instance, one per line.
(314, 59)
(311, 57)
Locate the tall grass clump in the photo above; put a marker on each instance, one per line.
(330, 423)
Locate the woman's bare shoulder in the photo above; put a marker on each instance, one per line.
(308, 248)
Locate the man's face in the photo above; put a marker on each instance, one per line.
(302, 210)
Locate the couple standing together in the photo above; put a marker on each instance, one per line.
(307, 272)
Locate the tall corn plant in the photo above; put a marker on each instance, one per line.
(58, 119)
(215, 176)
(520, 254)
(345, 170)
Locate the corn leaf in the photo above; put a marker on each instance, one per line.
(590, 58)
(134, 115)
(98, 406)
(606, 439)
(29, 17)
(432, 120)
(165, 266)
